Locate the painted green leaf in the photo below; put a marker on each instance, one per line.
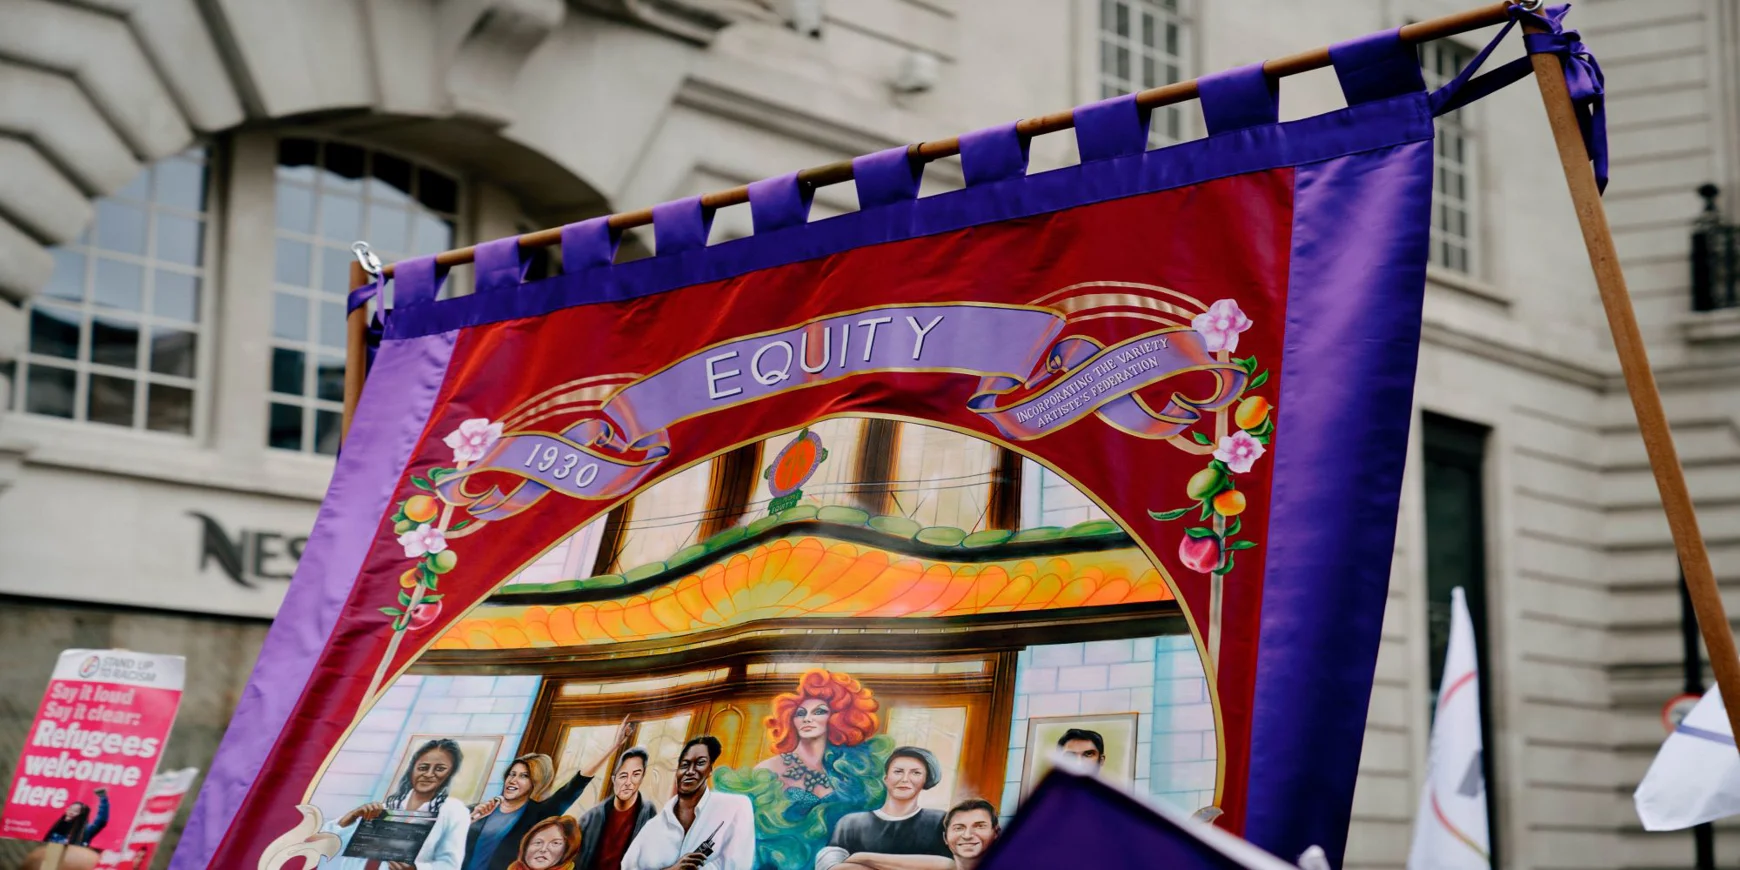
(1241, 545)
(897, 526)
(1258, 381)
(421, 483)
(725, 539)
(1167, 516)
(801, 512)
(1207, 512)
(431, 599)
(1226, 568)
(1200, 438)
(689, 553)
(1199, 532)
(390, 611)
(1093, 527)
(941, 536)
(404, 598)
(987, 538)
(762, 525)
(643, 572)
(459, 525)
(1234, 528)
(846, 516)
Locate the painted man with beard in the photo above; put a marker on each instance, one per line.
(698, 827)
(900, 835)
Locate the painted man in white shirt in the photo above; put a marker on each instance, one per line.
(698, 827)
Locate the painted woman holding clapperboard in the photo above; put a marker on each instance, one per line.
(422, 789)
(76, 827)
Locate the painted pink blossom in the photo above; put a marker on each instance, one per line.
(422, 540)
(472, 439)
(1221, 324)
(1238, 451)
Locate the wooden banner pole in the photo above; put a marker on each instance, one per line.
(356, 352)
(1664, 460)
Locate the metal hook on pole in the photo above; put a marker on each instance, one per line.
(366, 258)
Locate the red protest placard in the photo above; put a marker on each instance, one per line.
(90, 754)
(161, 804)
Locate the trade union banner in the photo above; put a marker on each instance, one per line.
(821, 544)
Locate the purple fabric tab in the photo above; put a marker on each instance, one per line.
(416, 282)
(1294, 143)
(1356, 281)
(589, 244)
(777, 203)
(885, 178)
(993, 154)
(396, 402)
(1238, 98)
(500, 265)
(1111, 128)
(1376, 67)
(680, 226)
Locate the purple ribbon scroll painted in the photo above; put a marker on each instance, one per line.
(1032, 383)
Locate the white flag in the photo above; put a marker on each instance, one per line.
(1695, 778)
(1450, 826)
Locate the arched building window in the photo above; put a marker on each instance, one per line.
(117, 335)
(328, 195)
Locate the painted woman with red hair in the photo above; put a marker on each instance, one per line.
(827, 710)
(827, 762)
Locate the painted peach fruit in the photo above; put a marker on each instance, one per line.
(420, 509)
(1252, 412)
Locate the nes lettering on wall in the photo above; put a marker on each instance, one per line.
(249, 555)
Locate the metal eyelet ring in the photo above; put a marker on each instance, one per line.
(1531, 5)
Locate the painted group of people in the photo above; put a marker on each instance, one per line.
(525, 828)
(698, 828)
(835, 795)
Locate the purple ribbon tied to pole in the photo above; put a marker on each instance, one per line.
(1583, 78)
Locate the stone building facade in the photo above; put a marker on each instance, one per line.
(180, 180)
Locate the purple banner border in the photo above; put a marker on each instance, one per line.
(390, 418)
(1326, 576)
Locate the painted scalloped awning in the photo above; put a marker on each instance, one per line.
(810, 578)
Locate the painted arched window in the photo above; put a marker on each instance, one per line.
(328, 195)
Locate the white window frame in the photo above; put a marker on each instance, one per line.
(202, 381)
(1093, 82)
(309, 403)
(1464, 125)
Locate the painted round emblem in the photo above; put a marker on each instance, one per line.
(795, 464)
(89, 666)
